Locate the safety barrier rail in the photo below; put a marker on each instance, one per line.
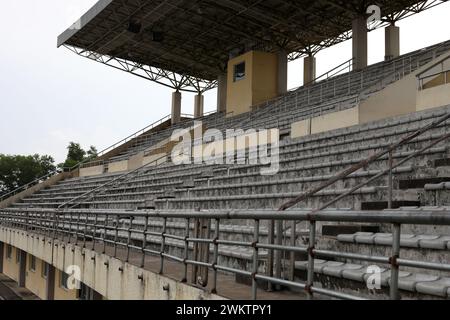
(130, 230)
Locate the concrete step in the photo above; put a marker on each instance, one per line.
(342, 276)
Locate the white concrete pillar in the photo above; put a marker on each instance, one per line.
(176, 107)
(309, 69)
(199, 101)
(392, 42)
(282, 72)
(359, 29)
(222, 93)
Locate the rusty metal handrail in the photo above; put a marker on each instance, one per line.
(282, 231)
(121, 177)
(345, 173)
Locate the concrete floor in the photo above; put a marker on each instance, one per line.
(10, 290)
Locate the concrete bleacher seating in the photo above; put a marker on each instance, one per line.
(304, 163)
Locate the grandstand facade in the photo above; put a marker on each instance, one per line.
(338, 189)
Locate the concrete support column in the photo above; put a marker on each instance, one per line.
(282, 72)
(392, 42)
(222, 93)
(359, 29)
(199, 102)
(176, 107)
(2, 254)
(50, 283)
(309, 69)
(22, 268)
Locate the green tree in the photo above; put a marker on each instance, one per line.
(17, 170)
(76, 154)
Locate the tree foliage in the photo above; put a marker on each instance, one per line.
(76, 154)
(17, 170)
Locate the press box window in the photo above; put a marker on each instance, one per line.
(239, 72)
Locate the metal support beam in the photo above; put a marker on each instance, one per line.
(222, 92)
(359, 30)
(199, 101)
(176, 107)
(392, 42)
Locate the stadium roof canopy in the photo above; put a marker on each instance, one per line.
(185, 44)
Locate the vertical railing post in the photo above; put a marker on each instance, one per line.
(144, 242)
(163, 245)
(55, 225)
(77, 228)
(116, 235)
(390, 181)
(311, 247)
(27, 221)
(278, 253)
(94, 232)
(271, 253)
(130, 226)
(216, 255)
(85, 229)
(186, 250)
(396, 235)
(70, 228)
(105, 231)
(255, 260)
(292, 253)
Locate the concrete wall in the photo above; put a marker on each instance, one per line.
(433, 97)
(92, 171)
(301, 128)
(10, 265)
(36, 188)
(112, 278)
(260, 83)
(35, 282)
(396, 99)
(135, 161)
(62, 293)
(336, 120)
(155, 159)
(119, 166)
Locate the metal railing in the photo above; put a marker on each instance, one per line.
(111, 231)
(344, 174)
(31, 184)
(114, 182)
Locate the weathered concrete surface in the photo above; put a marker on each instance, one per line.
(24, 194)
(112, 278)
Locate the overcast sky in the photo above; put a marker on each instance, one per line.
(50, 96)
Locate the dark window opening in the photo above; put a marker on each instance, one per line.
(239, 71)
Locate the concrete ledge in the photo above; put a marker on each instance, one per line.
(112, 278)
(24, 194)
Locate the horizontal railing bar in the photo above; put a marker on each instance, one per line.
(355, 256)
(422, 217)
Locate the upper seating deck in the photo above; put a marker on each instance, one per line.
(333, 94)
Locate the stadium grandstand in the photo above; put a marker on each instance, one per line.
(339, 189)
